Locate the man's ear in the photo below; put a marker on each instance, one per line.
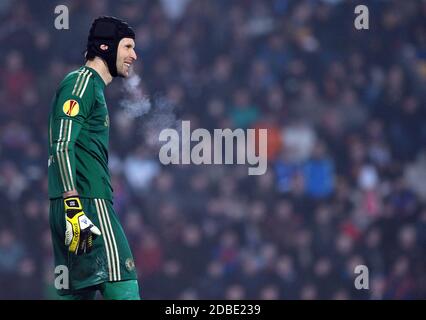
(103, 47)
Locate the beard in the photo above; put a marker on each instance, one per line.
(122, 73)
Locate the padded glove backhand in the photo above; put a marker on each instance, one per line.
(80, 231)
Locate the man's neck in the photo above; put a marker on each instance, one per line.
(101, 68)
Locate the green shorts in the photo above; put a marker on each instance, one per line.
(118, 290)
(110, 260)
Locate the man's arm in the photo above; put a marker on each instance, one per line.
(80, 231)
(73, 105)
(65, 132)
(72, 108)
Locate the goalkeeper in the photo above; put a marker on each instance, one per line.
(87, 236)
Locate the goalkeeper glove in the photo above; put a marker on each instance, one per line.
(80, 231)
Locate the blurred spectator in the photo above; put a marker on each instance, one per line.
(319, 173)
(12, 254)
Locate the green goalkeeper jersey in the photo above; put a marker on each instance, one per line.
(78, 137)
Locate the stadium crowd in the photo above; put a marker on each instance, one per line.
(346, 179)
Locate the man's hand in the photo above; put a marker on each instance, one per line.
(80, 231)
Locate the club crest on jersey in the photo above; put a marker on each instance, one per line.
(71, 108)
(106, 122)
(130, 264)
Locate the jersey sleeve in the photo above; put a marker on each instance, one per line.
(73, 104)
(75, 98)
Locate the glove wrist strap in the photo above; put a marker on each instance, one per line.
(72, 205)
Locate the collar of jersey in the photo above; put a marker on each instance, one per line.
(95, 74)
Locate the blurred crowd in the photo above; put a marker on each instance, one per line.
(346, 179)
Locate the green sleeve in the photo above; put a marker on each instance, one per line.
(73, 103)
